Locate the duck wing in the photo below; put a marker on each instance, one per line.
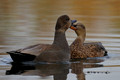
(96, 47)
(27, 54)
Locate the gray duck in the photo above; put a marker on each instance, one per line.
(58, 51)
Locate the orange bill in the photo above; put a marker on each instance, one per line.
(73, 28)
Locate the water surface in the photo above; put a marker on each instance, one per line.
(24, 23)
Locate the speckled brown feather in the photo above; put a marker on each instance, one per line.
(86, 50)
(79, 49)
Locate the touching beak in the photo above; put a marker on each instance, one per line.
(73, 21)
(72, 26)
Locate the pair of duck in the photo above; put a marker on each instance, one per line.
(59, 50)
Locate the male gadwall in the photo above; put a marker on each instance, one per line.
(79, 49)
(58, 51)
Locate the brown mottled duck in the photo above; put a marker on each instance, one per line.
(79, 49)
(58, 51)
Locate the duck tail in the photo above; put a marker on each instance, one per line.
(21, 57)
(106, 53)
(103, 48)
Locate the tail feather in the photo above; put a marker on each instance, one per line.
(21, 57)
(106, 53)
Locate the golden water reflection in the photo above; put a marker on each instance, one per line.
(28, 22)
(25, 22)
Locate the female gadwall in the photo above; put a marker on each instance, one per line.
(79, 49)
(57, 52)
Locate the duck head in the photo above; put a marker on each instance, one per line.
(63, 23)
(80, 30)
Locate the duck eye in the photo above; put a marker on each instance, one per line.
(75, 25)
(67, 19)
(83, 26)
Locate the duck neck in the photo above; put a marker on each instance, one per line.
(81, 39)
(80, 36)
(60, 39)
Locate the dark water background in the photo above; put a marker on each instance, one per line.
(28, 22)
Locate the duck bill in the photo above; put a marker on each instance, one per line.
(73, 21)
(72, 26)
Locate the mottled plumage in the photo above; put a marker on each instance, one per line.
(79, 49)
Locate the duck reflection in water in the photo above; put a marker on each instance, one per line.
(78, 67)
(58, 71)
